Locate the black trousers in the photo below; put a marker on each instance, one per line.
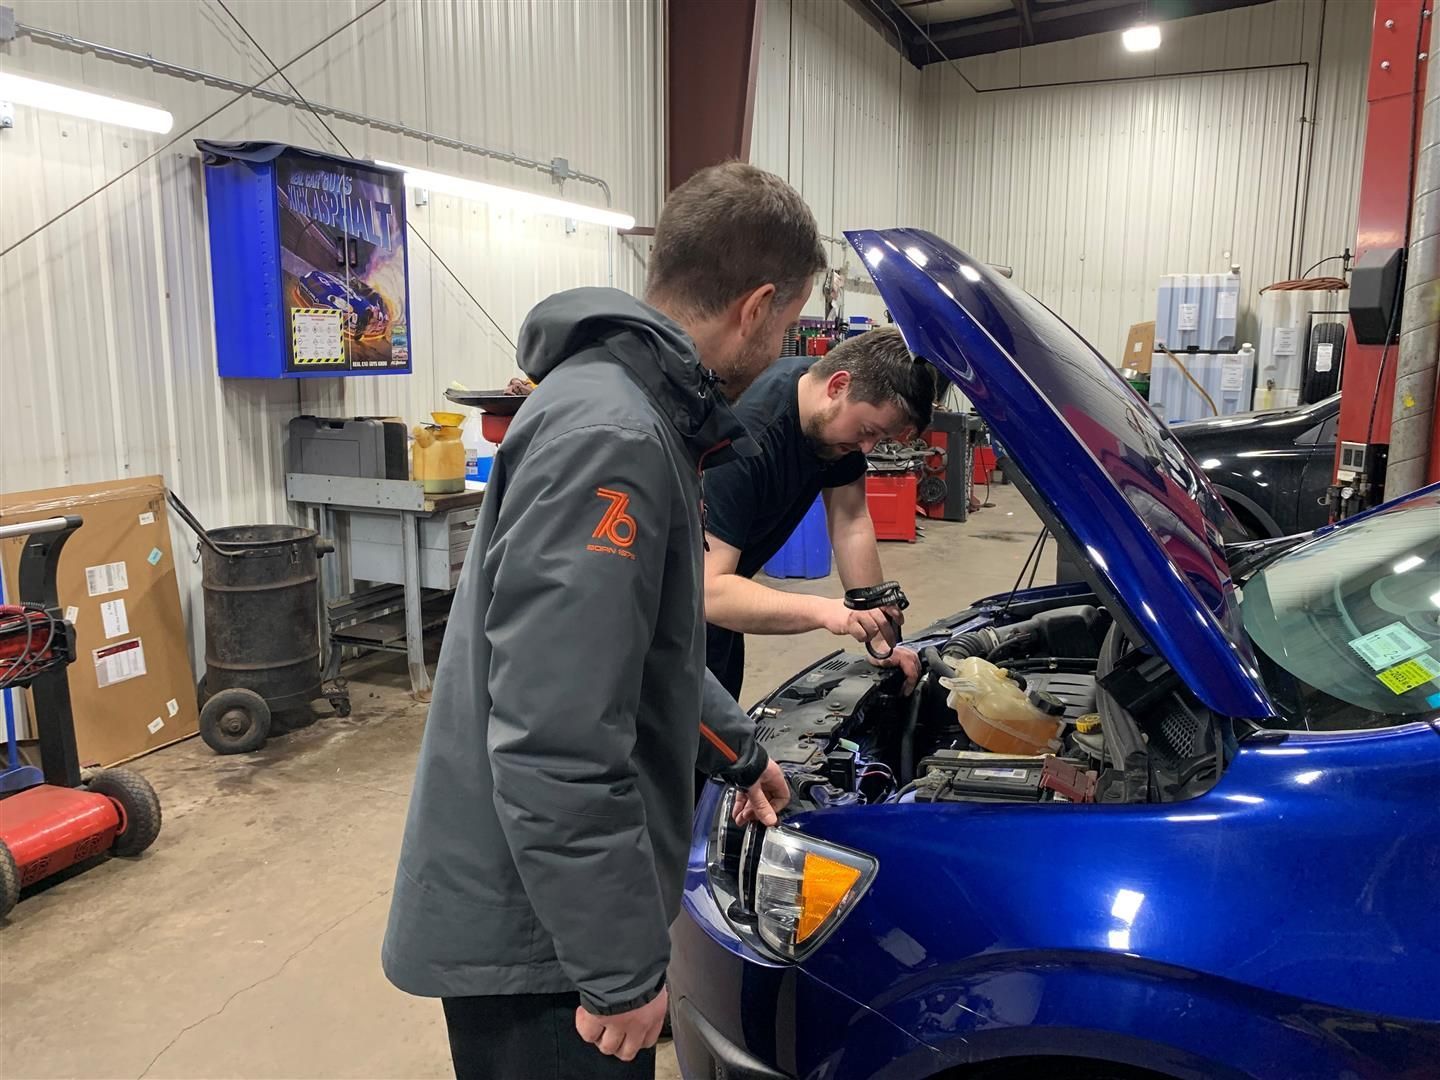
(530, 1037)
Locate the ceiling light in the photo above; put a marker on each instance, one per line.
(969, 273)
(1141, 38)
(515, 199)
(1405, 565)
(916, 256)
(23, 90)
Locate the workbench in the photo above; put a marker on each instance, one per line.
(408, 545)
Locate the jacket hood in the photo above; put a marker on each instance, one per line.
(651, 345)
(1108, 477)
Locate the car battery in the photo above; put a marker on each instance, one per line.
(966, 776)
(365, 446)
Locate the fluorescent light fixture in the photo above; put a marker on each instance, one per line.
(509, 197)
(72, 101)
(1407, 564)
(1141, 38)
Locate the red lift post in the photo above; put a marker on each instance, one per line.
(1396, 96)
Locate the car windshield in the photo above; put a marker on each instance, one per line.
(1347, 626)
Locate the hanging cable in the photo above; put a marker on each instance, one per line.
(1214, 409)
(1328, 258)
(279, 69)
(348, 153)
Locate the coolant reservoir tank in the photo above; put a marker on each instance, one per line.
(998, 714)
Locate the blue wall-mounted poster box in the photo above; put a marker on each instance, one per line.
(307, 262)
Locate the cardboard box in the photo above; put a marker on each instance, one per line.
(1138, 347)
(131, 686)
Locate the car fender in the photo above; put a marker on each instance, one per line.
(1251, 507)
(1087, 1005)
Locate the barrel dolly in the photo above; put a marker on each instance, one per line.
(54, 817)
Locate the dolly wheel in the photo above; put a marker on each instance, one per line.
(139, 808)
(9, 881)
(235, 721)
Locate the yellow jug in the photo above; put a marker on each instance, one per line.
(438, 459)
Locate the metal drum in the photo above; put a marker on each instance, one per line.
(262, 633)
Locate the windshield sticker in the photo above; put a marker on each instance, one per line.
(1410, 674)
(1389, 645)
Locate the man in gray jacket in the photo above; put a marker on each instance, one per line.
(548, 831)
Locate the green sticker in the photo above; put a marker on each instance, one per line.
(1388, 646)
(1410, 674)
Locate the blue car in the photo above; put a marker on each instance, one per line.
(1181, 820)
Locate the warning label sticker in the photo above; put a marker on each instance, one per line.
(106, 578)
(1389, 645)
(117, 663)
(1410, 674)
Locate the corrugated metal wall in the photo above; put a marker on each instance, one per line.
(1093, 191)
(837, 109)
(108, 360)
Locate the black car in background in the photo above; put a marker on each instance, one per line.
(1272, 468)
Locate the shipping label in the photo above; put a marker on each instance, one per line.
(106, 578)
(119, 663)
(112, 614)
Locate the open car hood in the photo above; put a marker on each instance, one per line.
(1105, 473)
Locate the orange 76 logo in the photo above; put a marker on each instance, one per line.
(616, 526)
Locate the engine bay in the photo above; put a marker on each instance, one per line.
(1042, 704)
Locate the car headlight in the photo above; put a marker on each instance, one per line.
(803, 888)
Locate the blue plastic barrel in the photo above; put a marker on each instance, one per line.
(807, 553)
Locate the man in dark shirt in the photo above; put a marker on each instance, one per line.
(815, 419)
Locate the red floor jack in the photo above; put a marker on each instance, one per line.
(52, 817)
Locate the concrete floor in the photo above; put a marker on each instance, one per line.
(246, 941)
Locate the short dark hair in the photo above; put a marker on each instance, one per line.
(883, 372)
(728, 230)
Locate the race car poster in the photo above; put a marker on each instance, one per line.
(342, 263)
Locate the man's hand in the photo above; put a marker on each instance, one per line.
(908, 661)
(625, 1034)
(763, 800)
(863, 626)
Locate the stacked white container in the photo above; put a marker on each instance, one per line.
(1197, 311)
(1226, 377)
(1285, 342)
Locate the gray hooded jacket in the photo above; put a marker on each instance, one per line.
(546, 840)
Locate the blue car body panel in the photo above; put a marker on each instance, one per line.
(1116, 482)
(1282, 924)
